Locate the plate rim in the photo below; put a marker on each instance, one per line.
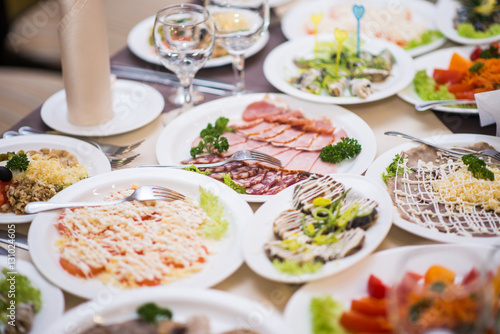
(363, 267)
(277, 79)
(101, 161)
(58, 100)
(373, 172)
(288, 21)
(46, 259)
(249, 246)
(137, 33)
(247, 98)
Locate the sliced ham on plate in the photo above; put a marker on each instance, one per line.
(303, 142)
(244, 125)
(273, 132)
(286, 137)
(323, 125)
(339, 134)
(256, 129)
(234, 138)
(248, 145)
(321, 141)
(272, 150)
(321, 167)
(286, 156)
(302, 161)
(261, 109)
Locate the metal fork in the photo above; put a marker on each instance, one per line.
(107, 149)
(431, 104)
(237, 156)
(491, 153)
(117, 163)
(143, 193)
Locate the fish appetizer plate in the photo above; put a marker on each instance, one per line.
(317, 228)
(306, 68)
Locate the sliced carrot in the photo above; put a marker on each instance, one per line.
(356, 322)
(438, 273)
(459, 63)
(370, 306)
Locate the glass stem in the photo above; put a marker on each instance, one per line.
(239, 73)
(186, 83)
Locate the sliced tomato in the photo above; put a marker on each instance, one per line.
(460, 88)
(471, 276)
(370, 306)
(376, 288)
(447, 76)
(464, 95)
(476, 53)
(3, 192)
(357, 322)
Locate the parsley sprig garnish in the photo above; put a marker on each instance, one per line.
(478, 167)
(211, 138)
(346, 148)
(18, 162)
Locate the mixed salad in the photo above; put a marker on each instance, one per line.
(419, 302)
(477, 18)
(463, 78)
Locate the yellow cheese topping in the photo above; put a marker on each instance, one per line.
(461, 188)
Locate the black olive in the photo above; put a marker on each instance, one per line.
(5, 174)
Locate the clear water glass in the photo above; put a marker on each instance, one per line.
(184, 39)
(239, 24)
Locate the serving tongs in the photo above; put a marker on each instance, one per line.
(491, 153)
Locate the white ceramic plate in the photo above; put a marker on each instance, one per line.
(135, 104)
(224, 310)
(221, 264)
(429, 62)
(260, 230)
(279, 67)
(446, 10)
(175, 140)
(376, 169)
(52, 298)
(351, 283)
(87, 154)
(276, 3)
(294, 21)
(138, 43)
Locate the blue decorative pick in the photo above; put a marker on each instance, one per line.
(358, 11)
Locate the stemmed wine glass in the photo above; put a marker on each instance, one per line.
(238, 25)
(184, 39)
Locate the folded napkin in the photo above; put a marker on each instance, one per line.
(85, 61)
(488, 105)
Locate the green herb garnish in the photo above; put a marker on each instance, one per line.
(215, 226)
(228, 181)
(394, 168)
(476, 67)
(152, 313)
(325, 315)
(193, 168)
(18, 162)
(345, 149)
(490, 52)
(478, 167)
(417, 309)
(295, 268)
(211, 140)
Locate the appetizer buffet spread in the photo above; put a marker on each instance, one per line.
(319, 217)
